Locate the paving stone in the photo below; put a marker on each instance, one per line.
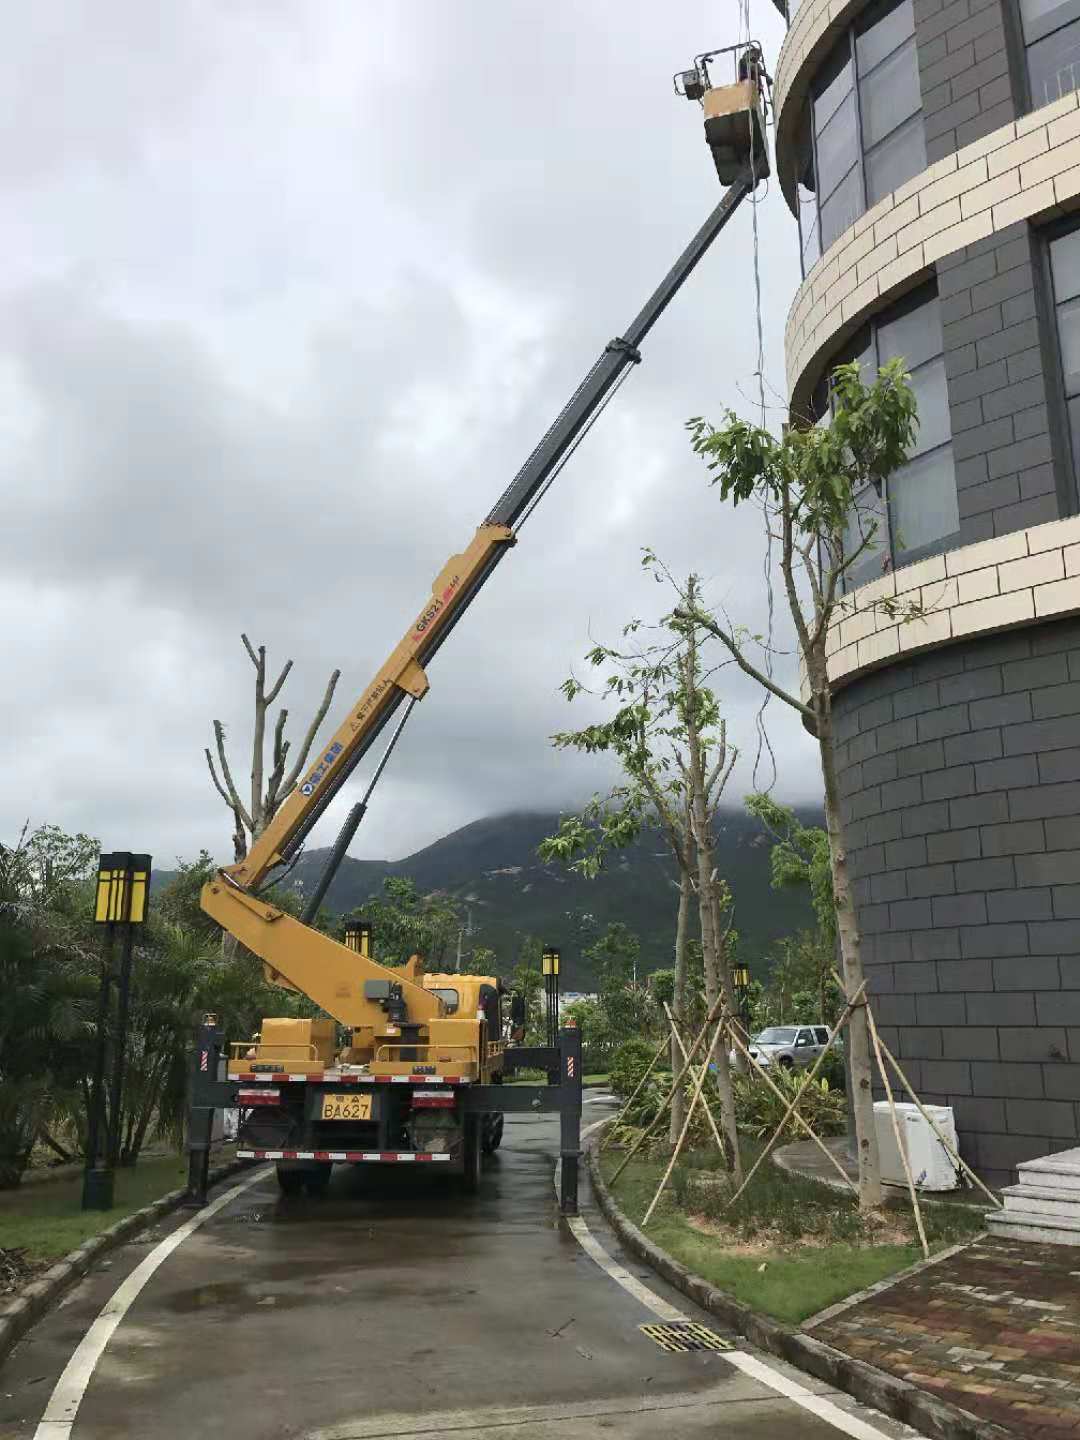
(994, 1329)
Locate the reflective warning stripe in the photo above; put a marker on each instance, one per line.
(279, 1077)
(382, 1156)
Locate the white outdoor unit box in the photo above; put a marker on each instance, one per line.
(931, 1167)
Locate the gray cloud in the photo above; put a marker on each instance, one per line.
(292, 292)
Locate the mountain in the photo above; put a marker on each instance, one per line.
(491, 868)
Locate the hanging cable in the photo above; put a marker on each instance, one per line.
(763, 742)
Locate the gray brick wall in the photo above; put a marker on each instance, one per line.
(968, 71)
(1009, 446)
(961, 780)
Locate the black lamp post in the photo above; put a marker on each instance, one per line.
(550, 961)
(123, 887)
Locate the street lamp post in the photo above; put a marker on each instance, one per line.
(123, 886)
(358, 936)
(740, 979)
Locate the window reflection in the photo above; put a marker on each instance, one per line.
(1052, 35)
(917, 511)
(1065, 275)
(862, 133)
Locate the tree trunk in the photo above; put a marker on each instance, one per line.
(707, 906)
(858, 1031)
(682, 926)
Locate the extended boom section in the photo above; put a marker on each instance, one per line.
(401, 1065)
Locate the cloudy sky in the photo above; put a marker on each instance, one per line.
(291, 287)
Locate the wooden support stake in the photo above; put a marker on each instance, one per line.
(709, 1115)
(664, 1045)
(698, 1083)
(764, 1074)
(710, 1019)
(896, 1131)
(848, 1008)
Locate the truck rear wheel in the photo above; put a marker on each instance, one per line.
(317, 1179)
(290, 1180)
(493, 1132)
(471, 1152)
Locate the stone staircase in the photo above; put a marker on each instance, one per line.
(1045, 1205)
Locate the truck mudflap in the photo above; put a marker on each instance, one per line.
(353, 1157)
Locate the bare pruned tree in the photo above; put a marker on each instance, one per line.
(249, 821)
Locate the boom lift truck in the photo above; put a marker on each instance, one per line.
(407, 1067)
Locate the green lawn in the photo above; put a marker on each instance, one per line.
(798, 1281)
(45, 1219)
(596, 1080)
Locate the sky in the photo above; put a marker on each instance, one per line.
(290, 291)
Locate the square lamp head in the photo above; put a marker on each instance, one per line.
(550, 960)
(123, 887)
(358, 936)
(740, 977)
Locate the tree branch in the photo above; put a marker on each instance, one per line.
(708, 624)
(247, 647)
(309, 738)
(275, 688)
(234, 800)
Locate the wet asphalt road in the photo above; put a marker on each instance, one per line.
(395, 1306)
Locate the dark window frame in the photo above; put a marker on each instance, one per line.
(1063, 440)
(850, 40)
(1041, 30)
(864, 344)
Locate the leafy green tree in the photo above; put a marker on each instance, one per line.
(671, 742)
(406, 923)
(46, 986)
(806, 482)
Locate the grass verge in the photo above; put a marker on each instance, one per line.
(791, 1246)
(596, 1079)
(45, 1221)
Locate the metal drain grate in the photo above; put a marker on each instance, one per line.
(686, 1335)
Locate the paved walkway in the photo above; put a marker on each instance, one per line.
(994, 1329)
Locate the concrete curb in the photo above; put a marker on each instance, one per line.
(18, 1315)
(887, 1393)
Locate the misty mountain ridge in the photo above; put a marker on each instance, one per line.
(491, 868)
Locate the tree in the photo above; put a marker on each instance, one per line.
(406, 923)
(806, 482)
(668, 737)
(47, 983)
(249, 821)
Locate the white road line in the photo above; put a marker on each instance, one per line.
(67, 1396)
(750, 1365)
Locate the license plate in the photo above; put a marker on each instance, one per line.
(346, 1107)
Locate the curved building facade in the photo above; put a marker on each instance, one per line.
(929, 151)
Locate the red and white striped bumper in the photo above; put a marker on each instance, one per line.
(320, 1077)
(353, 1156)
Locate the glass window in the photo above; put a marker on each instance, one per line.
(1065, 266)
(837, 148)
(1065, 276)
(923, 508)
(889, 95)
(863, 131)
(883, 33)
(1052, 35)
(834, 83)
(932, 397)
(913, 333)
(892, 163)
(867, 539)
(917, 510)
(842, 208)
(450, 999)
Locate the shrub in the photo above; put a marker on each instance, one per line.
(629, 1062)
(758, 1110)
